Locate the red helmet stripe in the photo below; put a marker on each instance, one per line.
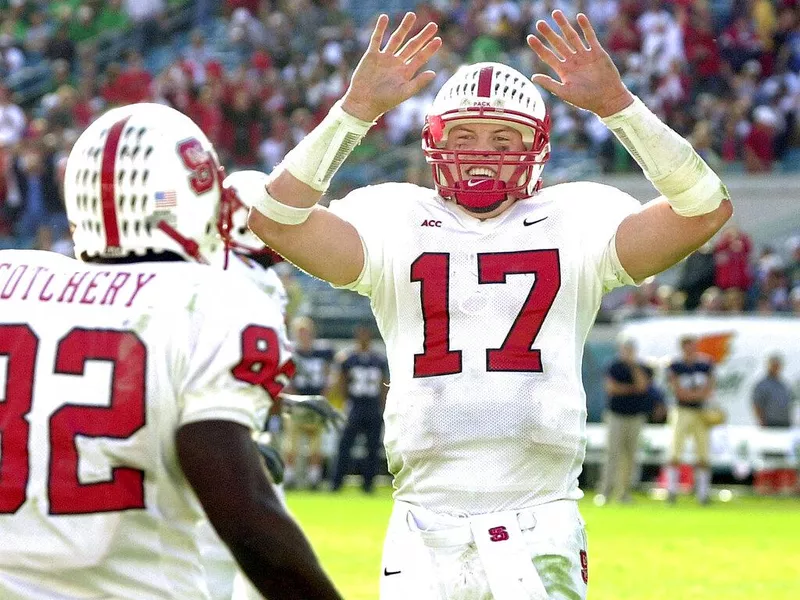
(108, 182)
(485, 82)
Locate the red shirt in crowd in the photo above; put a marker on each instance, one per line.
(732, 260)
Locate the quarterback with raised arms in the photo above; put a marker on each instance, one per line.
(484, 289)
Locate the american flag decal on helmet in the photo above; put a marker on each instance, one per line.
(166, 200)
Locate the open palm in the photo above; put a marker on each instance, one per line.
(587, 76)
(386, 77)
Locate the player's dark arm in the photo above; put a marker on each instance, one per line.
(221, 462)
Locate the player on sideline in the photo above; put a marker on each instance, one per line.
(484, 290)
(134, 381)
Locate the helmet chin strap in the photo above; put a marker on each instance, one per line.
(479, 194)
(191, 247)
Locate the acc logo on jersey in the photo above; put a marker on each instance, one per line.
(431, 223)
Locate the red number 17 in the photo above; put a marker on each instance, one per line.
(432, 270)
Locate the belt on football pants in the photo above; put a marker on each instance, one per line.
(498, 538)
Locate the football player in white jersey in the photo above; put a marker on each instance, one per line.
(134, 380)
(484, 290)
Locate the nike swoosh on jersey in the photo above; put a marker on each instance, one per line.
(387, 572)
(526, 223)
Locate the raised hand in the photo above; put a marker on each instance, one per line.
(587, 76)
(385, 78)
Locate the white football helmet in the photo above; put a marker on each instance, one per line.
(481, 93)
(144, 178)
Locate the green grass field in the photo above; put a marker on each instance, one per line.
(741, 550)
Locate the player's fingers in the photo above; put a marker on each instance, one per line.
(377, 33)
(588, 31)
(420, 82)
(548, 83)
(568, 31)
(546, 55)
(418, 42)
(556, 41)
(424, 55)
(399, 34)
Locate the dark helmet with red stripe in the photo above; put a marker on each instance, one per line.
(487, 93)
(144, 178)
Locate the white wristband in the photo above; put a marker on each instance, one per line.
(250, 188)
(315, 160)
(280, 212)
(668, 161)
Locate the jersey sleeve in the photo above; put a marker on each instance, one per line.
(364, 209)
(602, 209)
(238, 356)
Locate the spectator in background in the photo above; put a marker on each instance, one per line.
(313, 360)
(759, 144)
(35, 174)
(772, 396)
(627, 386)
(364, 378)
(113, 18)
(772, 404)
(145, 16)
(692, 381)
(61, 46)
(697, 275)
(732, 259)
(12, 119)
(12, 59)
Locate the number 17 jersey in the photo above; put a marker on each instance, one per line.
(484, 324)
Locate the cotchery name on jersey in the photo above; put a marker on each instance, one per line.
(484, 324)
(100, 365)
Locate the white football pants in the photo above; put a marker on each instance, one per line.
(536, 553)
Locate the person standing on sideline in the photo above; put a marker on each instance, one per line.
(627, 386)
(772, 404)
(772, 396)
(364, 377)
(692, 381)
(313, 359)
(484, 290)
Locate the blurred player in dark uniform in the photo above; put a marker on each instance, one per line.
(313, 360)
(364, 374)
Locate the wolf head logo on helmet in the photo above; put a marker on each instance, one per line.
(144, 178)
(487, 93)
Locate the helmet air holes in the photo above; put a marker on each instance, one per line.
(145, 175)
(121, 201)
(137, 228)
(94, 204)
(125, 227)
(134, 174)
(94, 177)
(148, 152)
(133, 201)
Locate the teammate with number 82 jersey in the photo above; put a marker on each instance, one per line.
(132, 382)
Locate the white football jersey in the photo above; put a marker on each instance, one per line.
(100, 365)
(266, 279)
(484, 324)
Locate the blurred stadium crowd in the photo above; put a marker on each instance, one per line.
(257, 75)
